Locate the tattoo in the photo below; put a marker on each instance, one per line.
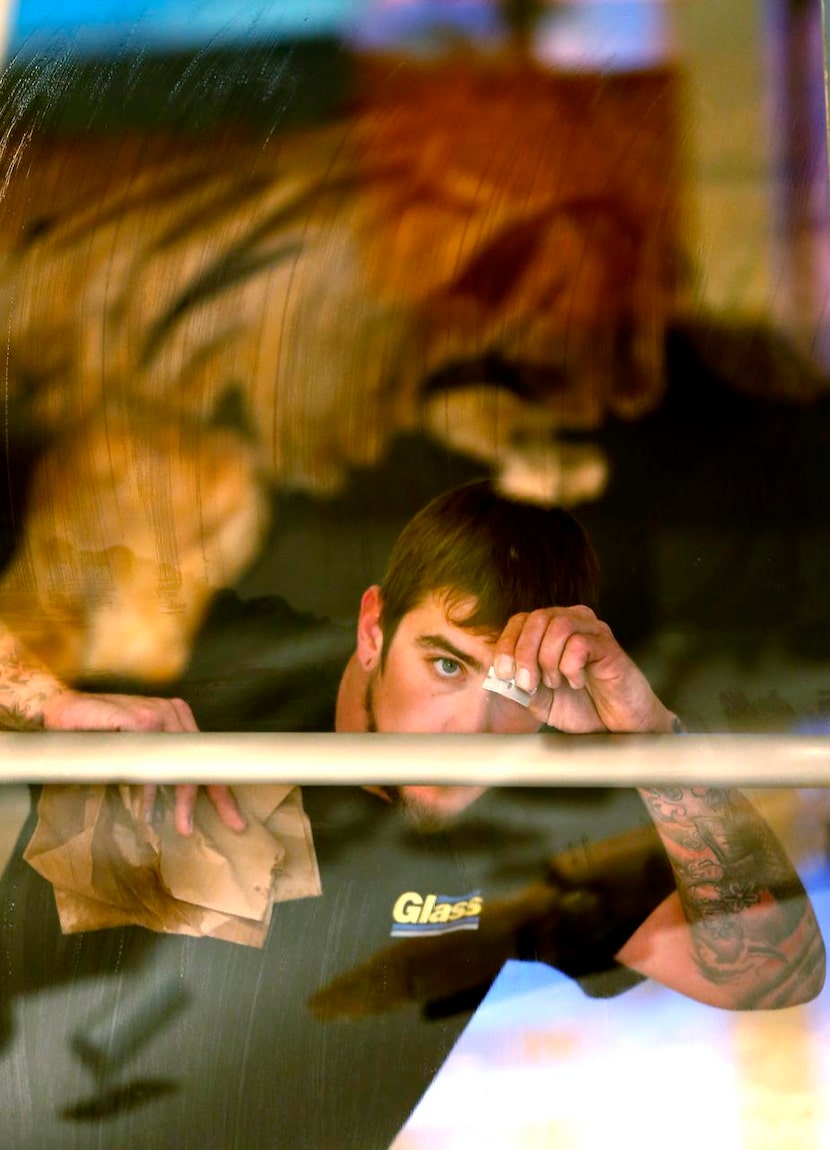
(751, 924)
(14, 719)
(25, 685)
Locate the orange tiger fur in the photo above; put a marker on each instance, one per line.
(481, 251)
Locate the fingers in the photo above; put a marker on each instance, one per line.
(185, 803)
(84, 711)
(543, 648)
(575, 656)
(504, 663)
(225, 804)
(595, 686)
(183, 714)
(124, 713)
(142, 713)
(140, 716)
(148, 801)
(222, 799)
(147, 714)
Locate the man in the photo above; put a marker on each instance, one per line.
(474, 581)
(478, 581)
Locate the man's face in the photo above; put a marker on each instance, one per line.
(431, 683)
(431, 680)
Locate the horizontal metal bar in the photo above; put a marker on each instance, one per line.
(517, 760)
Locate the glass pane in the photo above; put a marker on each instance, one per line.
(273, 278)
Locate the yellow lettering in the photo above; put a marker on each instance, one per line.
(407, 907)
(429, 903)
(414, 908)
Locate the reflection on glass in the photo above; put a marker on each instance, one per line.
(263, 299)
(123, 1024)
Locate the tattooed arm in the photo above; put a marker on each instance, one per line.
(33, 699)
(26, 686)
(740, 931)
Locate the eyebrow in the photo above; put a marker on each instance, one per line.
(442, 643)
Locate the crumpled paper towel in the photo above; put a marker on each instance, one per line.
(110, 867)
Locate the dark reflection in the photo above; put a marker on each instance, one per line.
(114, 1036)
(234, 1038)
(35, 955)
(331, 991)
(257, 665)
(573, 922)
(117, 1100)
(106, 1042)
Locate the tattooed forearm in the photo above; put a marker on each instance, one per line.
(13, 719)
(752, 927)
(25, 686)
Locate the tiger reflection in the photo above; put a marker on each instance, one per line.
(480, 252)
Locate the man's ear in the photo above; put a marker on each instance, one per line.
(369, 634)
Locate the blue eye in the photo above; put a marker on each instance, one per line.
(447, 668)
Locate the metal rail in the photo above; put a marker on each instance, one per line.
(530, 760)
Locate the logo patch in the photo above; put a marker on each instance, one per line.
(419, 915)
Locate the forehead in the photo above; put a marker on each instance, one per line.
(445, 611)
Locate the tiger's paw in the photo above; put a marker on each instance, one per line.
(561, 474)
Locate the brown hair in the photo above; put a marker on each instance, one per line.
(509, 556)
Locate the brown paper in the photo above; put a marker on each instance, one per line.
(110, 867)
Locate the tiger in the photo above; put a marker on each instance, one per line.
(478, 250)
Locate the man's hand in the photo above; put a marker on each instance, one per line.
(582, 680)
(78, 711)
(186, 795)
